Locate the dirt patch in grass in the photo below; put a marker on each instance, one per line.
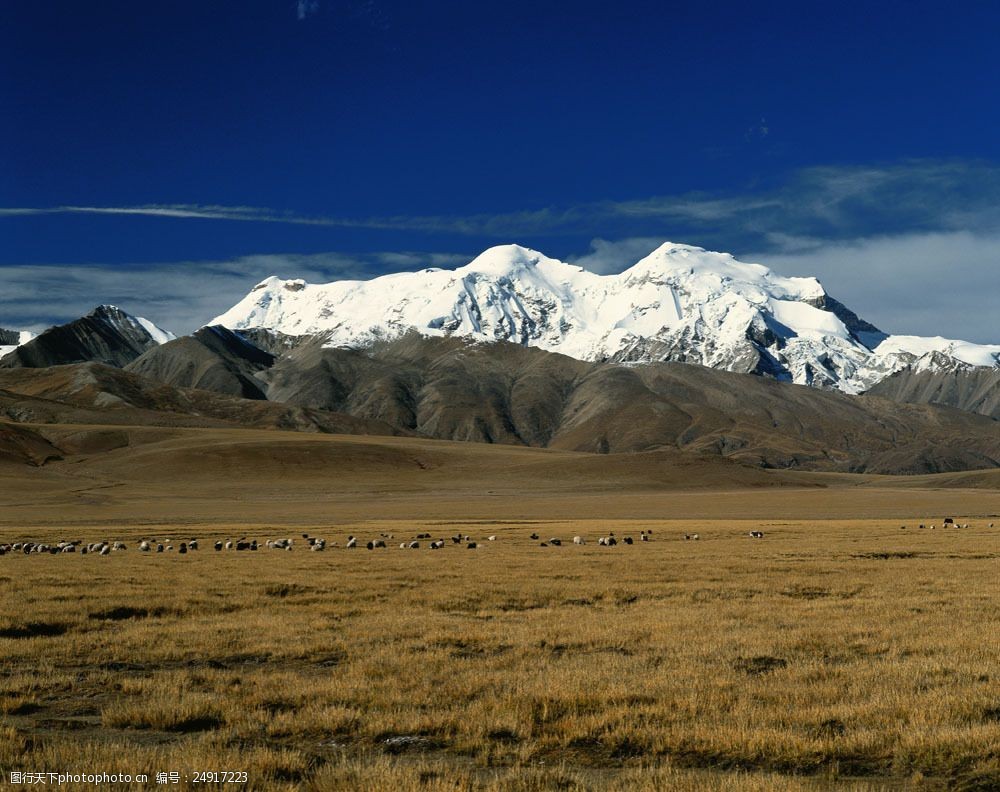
(831, 727)
(403, 743)
(991, 715)
(759, 664)
(283, 590)
(34, 630)
(125, 612)
(805, 592)
(889, 555)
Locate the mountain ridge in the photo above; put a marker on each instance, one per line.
(106, 335)
(503, 393)
(680, 303)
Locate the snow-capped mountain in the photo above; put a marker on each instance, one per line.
(107, 335)
(680, 303)
(12, 339)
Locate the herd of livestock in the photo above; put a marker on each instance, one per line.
(316, 544)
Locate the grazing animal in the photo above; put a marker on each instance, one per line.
(193, 544)
(579, 540)
(948, 521)
(105, 549)
(556, 542)
(491, 538)
(414, 545)
(757, 534)
(437, 545)
(218, 546)
(627, 540)
(472, 545)
(144, 546)
(183, 548)
(370, 545)
(644, 537)
(351, 542)
(696, 537)
(159, 548)
(533, 536)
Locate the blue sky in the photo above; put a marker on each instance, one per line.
(168, 155)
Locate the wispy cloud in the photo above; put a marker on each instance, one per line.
(609, 256)
(179, 296)
(921, 283)
(823, 202)
(914, 246)
(757, 131)
(184, 211)
(305, 8)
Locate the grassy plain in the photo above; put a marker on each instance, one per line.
(839, 652)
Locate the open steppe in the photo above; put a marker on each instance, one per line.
(840, 651)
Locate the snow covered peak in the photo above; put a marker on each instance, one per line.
(709, 270)
(505, 260)
(680, 303)
(12, 339)
(117, 318)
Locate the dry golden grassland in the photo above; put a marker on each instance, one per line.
(831, 654)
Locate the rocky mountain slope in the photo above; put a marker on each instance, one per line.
(967, 388)
(105, 335)
(453, 389)
(680, 303)
(92, 393)
(213, 358)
